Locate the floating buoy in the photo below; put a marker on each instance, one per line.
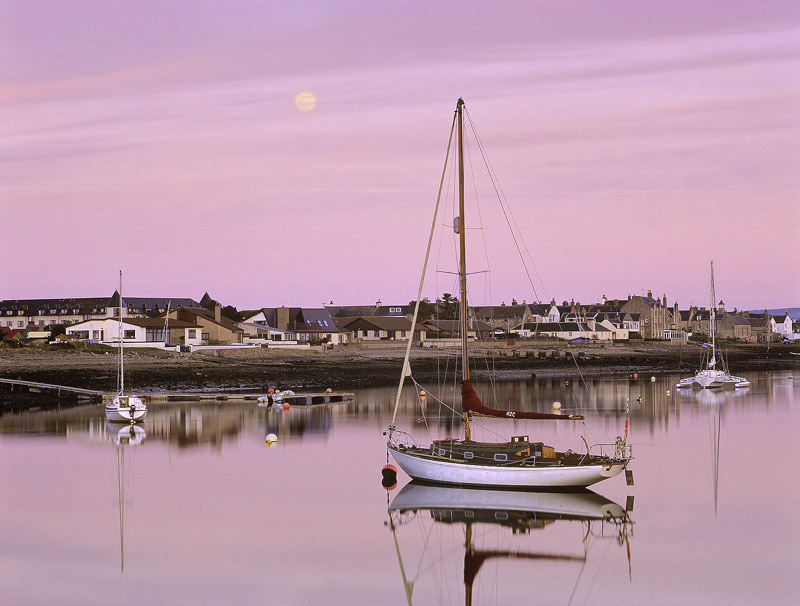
(419, 420)
(272, 439)
(566, 382)
(556, 405)
(790, 377)
(635, 375)
(286, 406)
(653, 379)
(422, 394)
(668, 392)
(270, 390)
(389, 477)
(329, 390)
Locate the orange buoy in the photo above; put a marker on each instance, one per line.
(635, 376)
(422, 394)
(270, 390)
(285, 406)
(329, 390)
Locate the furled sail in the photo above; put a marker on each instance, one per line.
(470, 402)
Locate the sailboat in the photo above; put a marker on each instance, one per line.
(125, 408)
(521, 463)
(715, 374)
(519, 511)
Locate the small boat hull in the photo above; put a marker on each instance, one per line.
(465, 474)
(126, 409)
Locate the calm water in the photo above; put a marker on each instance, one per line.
(210, 515)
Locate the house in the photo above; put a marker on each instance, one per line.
(375, 328)
(215, 328)
(137, 331)
(262, 332)
(379, 309)
(504, 317)
(655, 316)
(21, 313)
(558, 330)
(308, 324)
(782, 324)
(735, 326)
(761, 326)
(451, 329)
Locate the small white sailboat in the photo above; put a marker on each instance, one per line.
(124, 408)
(715, 375)
(519, 463)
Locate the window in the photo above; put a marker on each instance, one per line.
(95, 334)
(501, 456)
(192, 333)
(21, 324)
(129, 334)
(205, 336)
(468, 455)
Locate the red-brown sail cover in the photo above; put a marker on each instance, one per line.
(470, 402)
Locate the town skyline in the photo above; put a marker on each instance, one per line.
(636, 143)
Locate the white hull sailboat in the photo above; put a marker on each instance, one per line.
(520, 463)
(124, 408)
(715, 375)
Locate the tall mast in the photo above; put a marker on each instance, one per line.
(713, 318)
(119, 338)
(462, 254)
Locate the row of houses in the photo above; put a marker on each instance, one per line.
(184, 321)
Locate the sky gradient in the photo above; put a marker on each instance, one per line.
(635, 141)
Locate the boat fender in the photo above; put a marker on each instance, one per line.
(389, 477)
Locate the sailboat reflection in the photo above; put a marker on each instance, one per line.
(519, 511)
(123, 435)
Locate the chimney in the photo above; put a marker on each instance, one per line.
(217, 313)
(282, 318)
(650, 293)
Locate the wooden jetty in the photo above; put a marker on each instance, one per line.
(299, 399)
(58, 390)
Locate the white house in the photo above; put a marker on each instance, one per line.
(137, 331)
(782, 324)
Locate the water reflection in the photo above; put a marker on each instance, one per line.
(493, 526)
(123, 435)
(654, 406)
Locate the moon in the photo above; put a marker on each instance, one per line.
(305, 101)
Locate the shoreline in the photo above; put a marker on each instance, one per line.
(377, 365)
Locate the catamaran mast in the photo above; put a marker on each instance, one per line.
(462, 271)
(119, 338)
(713, 318)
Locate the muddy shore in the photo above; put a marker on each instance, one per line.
(354, 367)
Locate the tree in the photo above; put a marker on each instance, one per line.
(448, 307)
(426, 309)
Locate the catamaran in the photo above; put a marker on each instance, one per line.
(125, 408)
(715, 374)
(519, 463)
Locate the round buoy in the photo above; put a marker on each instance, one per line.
(556, 405)
(419, 420)
(653, 379)
(272, 439)
(286, 406)
(329, 390)
(389, 477)
(422, 394)
(790, 377)
(270, 390)
(635, 375)
(668, 392)
(566, 382)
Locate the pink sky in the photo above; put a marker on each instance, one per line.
(634, 140)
